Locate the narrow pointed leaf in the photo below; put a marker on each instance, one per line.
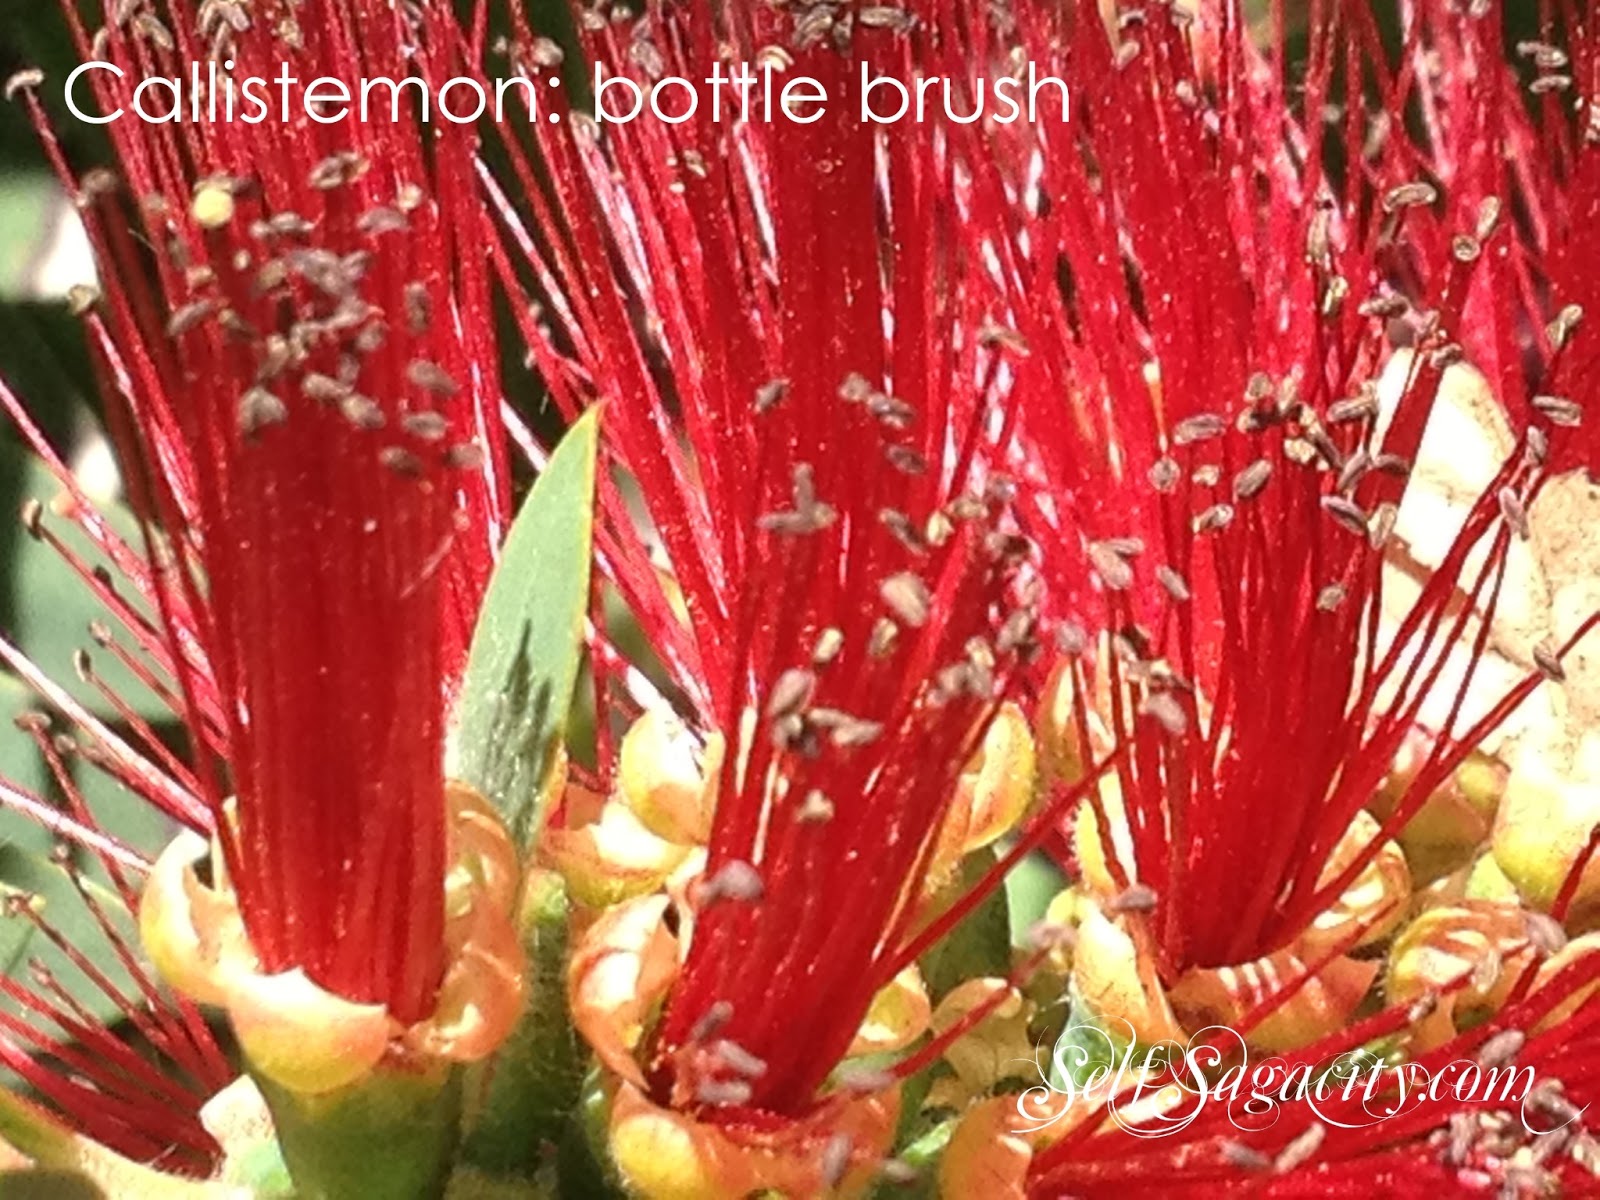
(528, 644)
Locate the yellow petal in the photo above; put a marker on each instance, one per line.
(1542, 826)
(612, 859)
(1113, 969)
(898, 1015)
(665, 782)
(303, 1037)
(620, 968)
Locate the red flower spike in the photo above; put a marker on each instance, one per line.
(308, 378)
(1218, 489)
(842, 561)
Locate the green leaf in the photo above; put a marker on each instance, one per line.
(49, 607)
(1030, 886)
(981, 944)
(528, 645)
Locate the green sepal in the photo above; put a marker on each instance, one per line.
(390, 1136)
(528, 645)
(521, 1101)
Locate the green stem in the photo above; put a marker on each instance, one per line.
(391, 1136)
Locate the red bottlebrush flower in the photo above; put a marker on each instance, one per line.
(831, 586)
(302, 372)
(1216, 474)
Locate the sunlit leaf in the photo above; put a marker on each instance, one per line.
(528, 644)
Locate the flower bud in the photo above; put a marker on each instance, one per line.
(613, 858)
(665, 779)
(1543, 825)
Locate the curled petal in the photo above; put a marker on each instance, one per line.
(1467, 955)
(1376, 898)
(303, 1037)
(665, 1155)
(621, 967)
(1322, 1005)
(898, 1016)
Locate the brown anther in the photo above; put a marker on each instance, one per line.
(431, 377)
(464, 456)
(1198, 428)
(791, 693)
(1346, 513)
(901, 526)
(1164, 475)
(1354, 470)
(1246, 1158)
(1381, 526)
(723, 1093)
(259, 408)
(855, 389)
(361, 411)
(906, 460)
(1545, 932)
(885, 634)
(1250, 482)
(1111, 567)
(1218, 516)
(376, 222)
(1446, 356)
(829, 642)
(1386, 306)
(1138, 897)
(81, 297)
(1301, 1150)
(891, 412)
(770, 394)
(25, 80)
(1165, 710)
(401, 461)
(425, 426)
(1173, 583)
(907, 597)
(1465, 248)
(190, 316)
(323, 388)
(1559, 410)
(33, 518)
(1514, 512)
(735, 880)
(1502, 1049)
(337, 170)
(712, 1022)
(1566, 323)
(835, 1159)
(815, 809)
(1549, 663)
(739, 1060)
(1330, 597)
(1409, 195)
